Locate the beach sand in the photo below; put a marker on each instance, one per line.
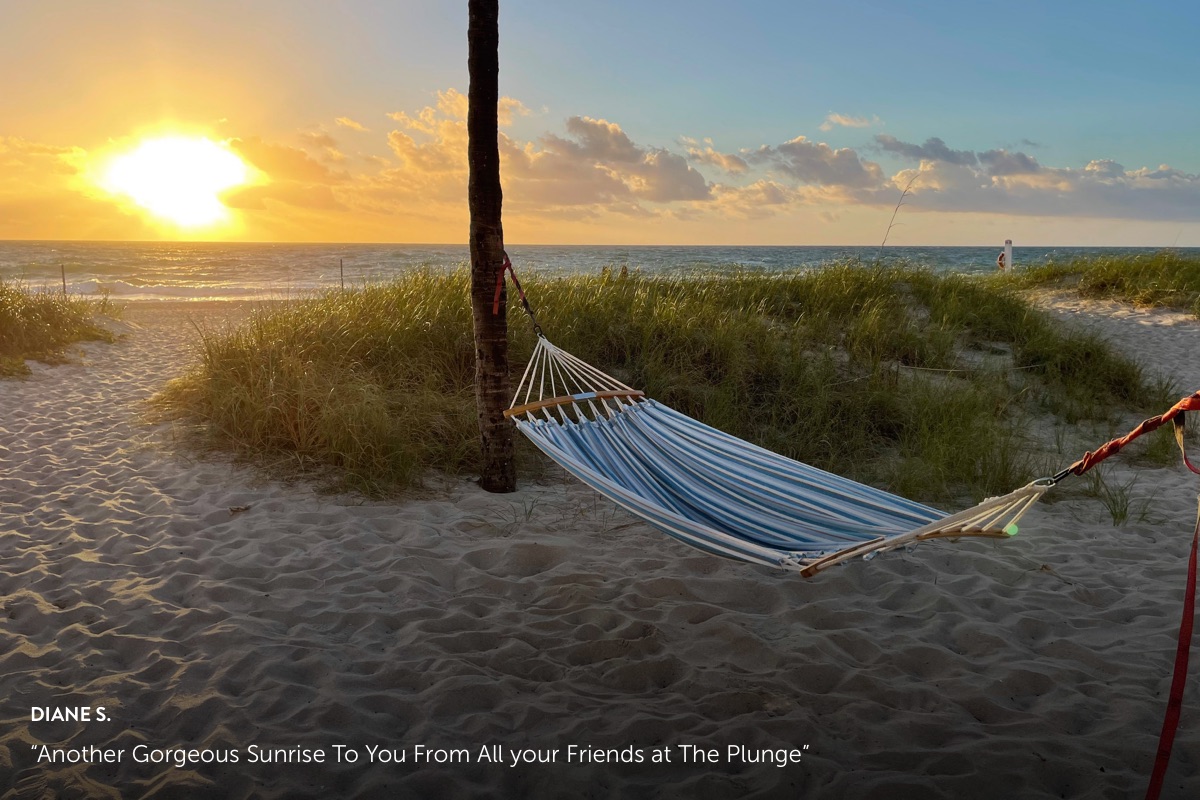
(207, 608)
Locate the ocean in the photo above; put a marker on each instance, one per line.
(197, 271)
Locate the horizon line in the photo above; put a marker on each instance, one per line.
(559, 244)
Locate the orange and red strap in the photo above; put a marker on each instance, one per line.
(1175, 414)
(1166, 739)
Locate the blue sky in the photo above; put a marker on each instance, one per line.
(758, 122)
(1071, 76)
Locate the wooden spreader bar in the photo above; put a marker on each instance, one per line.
(883, 544)
(572, 398)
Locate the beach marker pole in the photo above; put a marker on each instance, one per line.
(342, 271)
(1008, 263)
(63, 268)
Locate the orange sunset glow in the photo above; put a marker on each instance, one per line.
(258, 122)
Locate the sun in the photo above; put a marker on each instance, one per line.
(177, 179)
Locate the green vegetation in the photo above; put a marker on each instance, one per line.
(39, 326)
(896, 376)
(1166, 278)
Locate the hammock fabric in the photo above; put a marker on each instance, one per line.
(720, 493)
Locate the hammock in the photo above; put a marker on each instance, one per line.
(719, 493)
(732, 498)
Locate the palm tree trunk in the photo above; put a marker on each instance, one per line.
(498, 472)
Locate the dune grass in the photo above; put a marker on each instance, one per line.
(899, 377)
(1167, 278)
(39, 325)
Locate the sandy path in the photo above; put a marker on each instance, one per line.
(1030, 668)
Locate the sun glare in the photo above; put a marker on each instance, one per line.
(177, 178)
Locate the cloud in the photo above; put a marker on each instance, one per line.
(346, 122)
(451, 107)
(282, 163)
(556, 175)
(319, 138)
(578, 174)
(608, 165)
(1162, 173)
(14, 145)
(1002, 162)
(817, 163)
(757, 200)
(728, 162)
(292, 176)
(835, 120)
(437, 155)
(325, 143)
(664, 177)
(453, 104)
(300, 195)
(597, 140)
(435, 139)
(1104, 170)
(509, 107)
(1006, 184)
(934, 149)
(589, 167)
(997, 162)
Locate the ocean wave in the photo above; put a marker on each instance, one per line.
(127, 291)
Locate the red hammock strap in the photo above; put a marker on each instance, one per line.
(1180, 430)
(508, 267)
(1166, 738)
(1175, 414)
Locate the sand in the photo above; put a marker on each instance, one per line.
(205, 608)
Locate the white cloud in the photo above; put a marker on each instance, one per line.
(592, 166)
(346, 122)
(759, 199)
(509, 107)
(597, 139)
(728, 162)
(1102, 188)
(663, 177)
(835, 120)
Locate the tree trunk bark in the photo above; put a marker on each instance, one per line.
(498, 472)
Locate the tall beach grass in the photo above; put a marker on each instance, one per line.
(39, 325)
(1167, 278)
(899, 377)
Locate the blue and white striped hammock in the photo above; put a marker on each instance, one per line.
(719, 493)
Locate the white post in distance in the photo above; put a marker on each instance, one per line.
(1008, 264)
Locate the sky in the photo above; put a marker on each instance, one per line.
(622, 122)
